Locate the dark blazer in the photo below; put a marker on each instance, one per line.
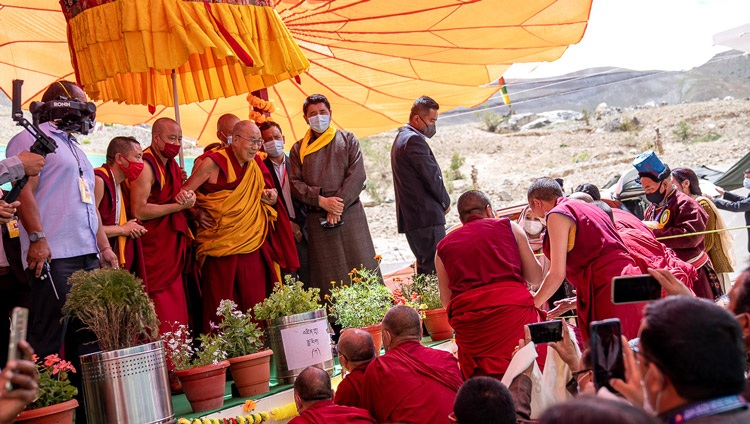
(734, 203)
(300, 216)
(421, 197)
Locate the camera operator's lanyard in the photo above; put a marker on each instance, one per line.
(83, 186)
(708, 408)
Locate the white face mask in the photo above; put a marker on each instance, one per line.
(319, 123)
(229, 140)
(533, 226)
(746, 183)
(274, 148)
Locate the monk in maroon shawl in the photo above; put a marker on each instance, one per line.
(312, 395)
(243, 239)
(583, 246)
(124, 163)
(410, 384)
(356, 350)
(483, 268)
(156, 199)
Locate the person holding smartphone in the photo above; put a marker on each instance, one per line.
(21, 373)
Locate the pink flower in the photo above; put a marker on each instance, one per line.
(63, 366)
(51, 360)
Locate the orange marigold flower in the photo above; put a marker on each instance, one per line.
(328, 296)
(378, 258)
(249, 405)
(333, 283)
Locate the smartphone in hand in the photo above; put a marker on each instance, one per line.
(606, 352)
(18, 327)
(546, 332)
(635, 288)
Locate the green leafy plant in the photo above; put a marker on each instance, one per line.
(425, 289)
(54, 385)
(683, 131)
(454, 172)
(288, 299)
(362, 302)
(240, 335)
(491, 120)
(178, 346)
(113, 304)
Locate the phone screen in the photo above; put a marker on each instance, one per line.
(606, 352)
(635, 288)
(546, 332)
(18, 328)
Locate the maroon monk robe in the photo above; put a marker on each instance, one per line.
(490, 302)
(165, 244)
(411, 384)
(326, 412)
(349, 391)
(597, 256)
(134, 261)
(244, 278)
(649, 252)
(682, 215)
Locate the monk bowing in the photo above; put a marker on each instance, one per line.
(312, 395)
(243, 238)
(356, 351)
(410, 384)
(483, 269)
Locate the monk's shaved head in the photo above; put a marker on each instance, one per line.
(546, 189)
(313, 384)
(471, 203)
(584, 197)
(357, 345)
(403, 323)
(163, 124)
(226, 123)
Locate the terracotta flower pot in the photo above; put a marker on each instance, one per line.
(376, 331)
(59, 413)
(252, 373)
(436, 321)
(205, 386)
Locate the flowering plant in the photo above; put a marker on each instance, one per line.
(240, 335)
(288, 299)
(423, 291)
(180, 351)
(54, 386)
(362, 302)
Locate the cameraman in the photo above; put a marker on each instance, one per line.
(60, 223)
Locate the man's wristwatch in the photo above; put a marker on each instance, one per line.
(36, 236)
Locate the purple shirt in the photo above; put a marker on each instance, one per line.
(69, 224)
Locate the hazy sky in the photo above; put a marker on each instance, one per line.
(646, 35)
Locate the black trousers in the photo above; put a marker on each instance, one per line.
(12, 293)
(423, 244)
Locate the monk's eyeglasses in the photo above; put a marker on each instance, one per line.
(255, 141)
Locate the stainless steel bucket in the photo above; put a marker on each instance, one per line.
(282, 355)
(127, 386)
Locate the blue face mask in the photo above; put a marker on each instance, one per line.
(319, 123)
(746, 183)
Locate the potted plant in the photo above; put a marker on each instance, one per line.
(202, 371)
(362, 303)
(113, 305)
(54, 402)
(250, 364)
(297, 329)
(424, 291)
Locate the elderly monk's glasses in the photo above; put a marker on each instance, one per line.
(255, 141)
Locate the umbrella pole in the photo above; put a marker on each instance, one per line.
(175, 100)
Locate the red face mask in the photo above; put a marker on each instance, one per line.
(133, 170)
(170, 150)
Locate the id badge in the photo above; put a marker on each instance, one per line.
(83, 187)
(13, 230)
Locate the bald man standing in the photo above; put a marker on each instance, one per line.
(312, 395)
(356, 351)
(245, 236)
(158, 201)
(410, 383)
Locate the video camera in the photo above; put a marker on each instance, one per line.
(70, 115)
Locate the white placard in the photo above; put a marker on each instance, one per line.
(307, 344)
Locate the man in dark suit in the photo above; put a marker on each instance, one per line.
(278, 164)
(734, 203)
(421, 198)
